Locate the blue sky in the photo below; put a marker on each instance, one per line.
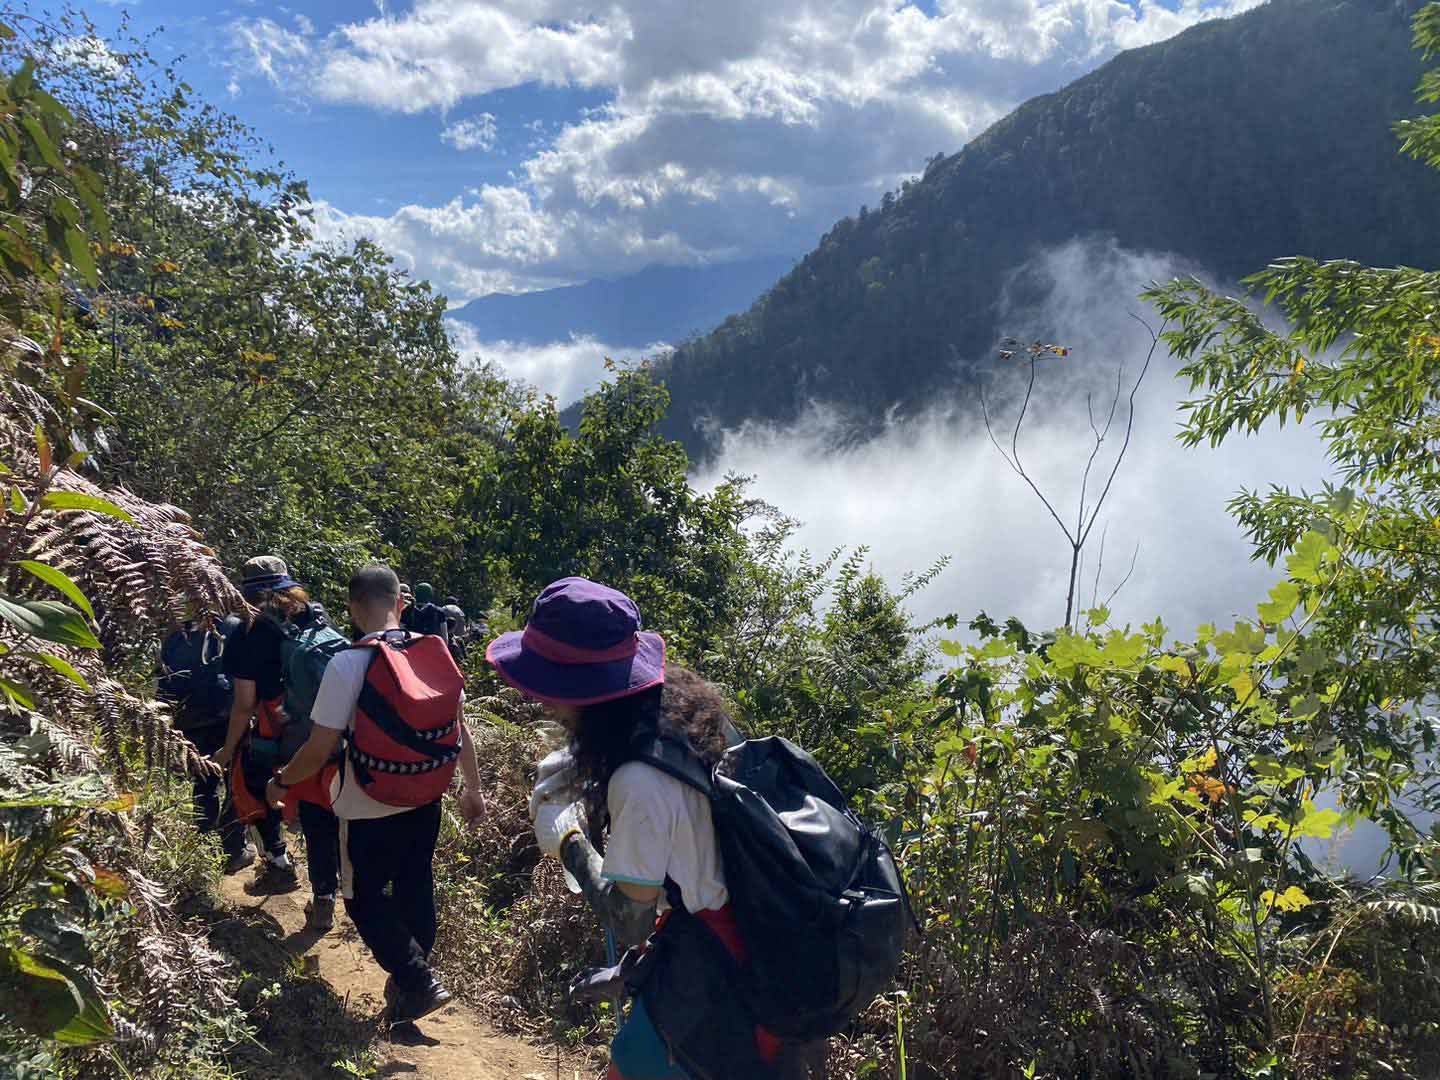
(520, 144)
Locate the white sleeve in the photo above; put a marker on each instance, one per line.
(642, 824)
(339, 691)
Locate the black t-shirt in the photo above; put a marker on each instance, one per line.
(254, 654)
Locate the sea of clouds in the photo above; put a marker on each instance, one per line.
(934, 485)
(567, 369)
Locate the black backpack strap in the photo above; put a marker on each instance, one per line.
(673, 756)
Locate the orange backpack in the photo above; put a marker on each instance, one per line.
(407, 735)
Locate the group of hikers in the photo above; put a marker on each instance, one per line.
(757, 914)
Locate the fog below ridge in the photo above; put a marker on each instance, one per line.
(934, 485)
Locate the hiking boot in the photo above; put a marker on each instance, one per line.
(320, 913)
(411, 1005)
(242, 859)
(276, 877)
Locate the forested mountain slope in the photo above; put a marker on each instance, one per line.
(1236, 142)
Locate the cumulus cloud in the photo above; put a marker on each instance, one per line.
(567, 370)
(730, 129)
(475, 133)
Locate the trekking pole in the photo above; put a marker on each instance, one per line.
(618, 995)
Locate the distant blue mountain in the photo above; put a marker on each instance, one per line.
(660, 303)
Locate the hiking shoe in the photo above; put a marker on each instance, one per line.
(411, 1005)
(275, 877)
(242, 859)
(320, 913)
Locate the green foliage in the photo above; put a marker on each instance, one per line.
(818, 651)
(1421, 136)
(611, 501)
(1071, 786)
(1359, 352)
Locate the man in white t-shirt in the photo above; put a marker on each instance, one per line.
(382, 847)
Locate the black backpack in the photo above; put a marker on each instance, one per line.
(192, 675)
(815, 892)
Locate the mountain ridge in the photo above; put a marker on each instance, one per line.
(1236, 142)
(654, 305)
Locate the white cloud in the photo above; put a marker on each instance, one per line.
(731, 129)
(274, 51)
(87, 51)
(475, 133)
(935, 485)
(566, 369)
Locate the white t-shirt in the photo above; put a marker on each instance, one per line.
(334, 708)
(659, 828)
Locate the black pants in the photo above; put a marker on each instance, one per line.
(399, 852)
(321, 830)
(211, 798)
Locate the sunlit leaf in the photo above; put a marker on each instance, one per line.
(48, 999)
(110, 883)
(49, 621)
(1317, 824)
(60, 580)
(76, 500)
(16, 693)
(58, 665)
(1284, 599)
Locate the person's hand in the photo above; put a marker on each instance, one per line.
(222, 756)
(555, 780)
(472, 807)
(208, 766)
(275, 794)
(554, 822)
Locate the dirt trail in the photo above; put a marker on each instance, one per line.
(453, 1044)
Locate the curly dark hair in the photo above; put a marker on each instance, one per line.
(685, 705)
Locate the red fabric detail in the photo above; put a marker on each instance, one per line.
(550, 699)
(422, 684)
(248, 809)
(270, 718)
(614, 1074)
(768, 1045)
(558, 652)
(315, 790)
(721, 922)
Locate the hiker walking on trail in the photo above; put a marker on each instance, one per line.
(605, 681)
(192, 678)
(774, 930)
(455, 627)
(275, 662)
(424, 616)
(399, 698)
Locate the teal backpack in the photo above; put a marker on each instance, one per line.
(307, 645)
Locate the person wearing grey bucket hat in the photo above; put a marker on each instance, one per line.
(606, 681)
(261, 661)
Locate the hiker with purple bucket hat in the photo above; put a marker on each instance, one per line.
(606, 682)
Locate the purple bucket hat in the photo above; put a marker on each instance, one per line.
(582, 646)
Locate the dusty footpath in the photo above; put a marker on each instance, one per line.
(331, 1025)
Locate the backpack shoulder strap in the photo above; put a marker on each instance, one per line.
(284, 627)
(674, 757)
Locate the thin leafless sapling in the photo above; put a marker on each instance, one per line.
(1087, 513)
